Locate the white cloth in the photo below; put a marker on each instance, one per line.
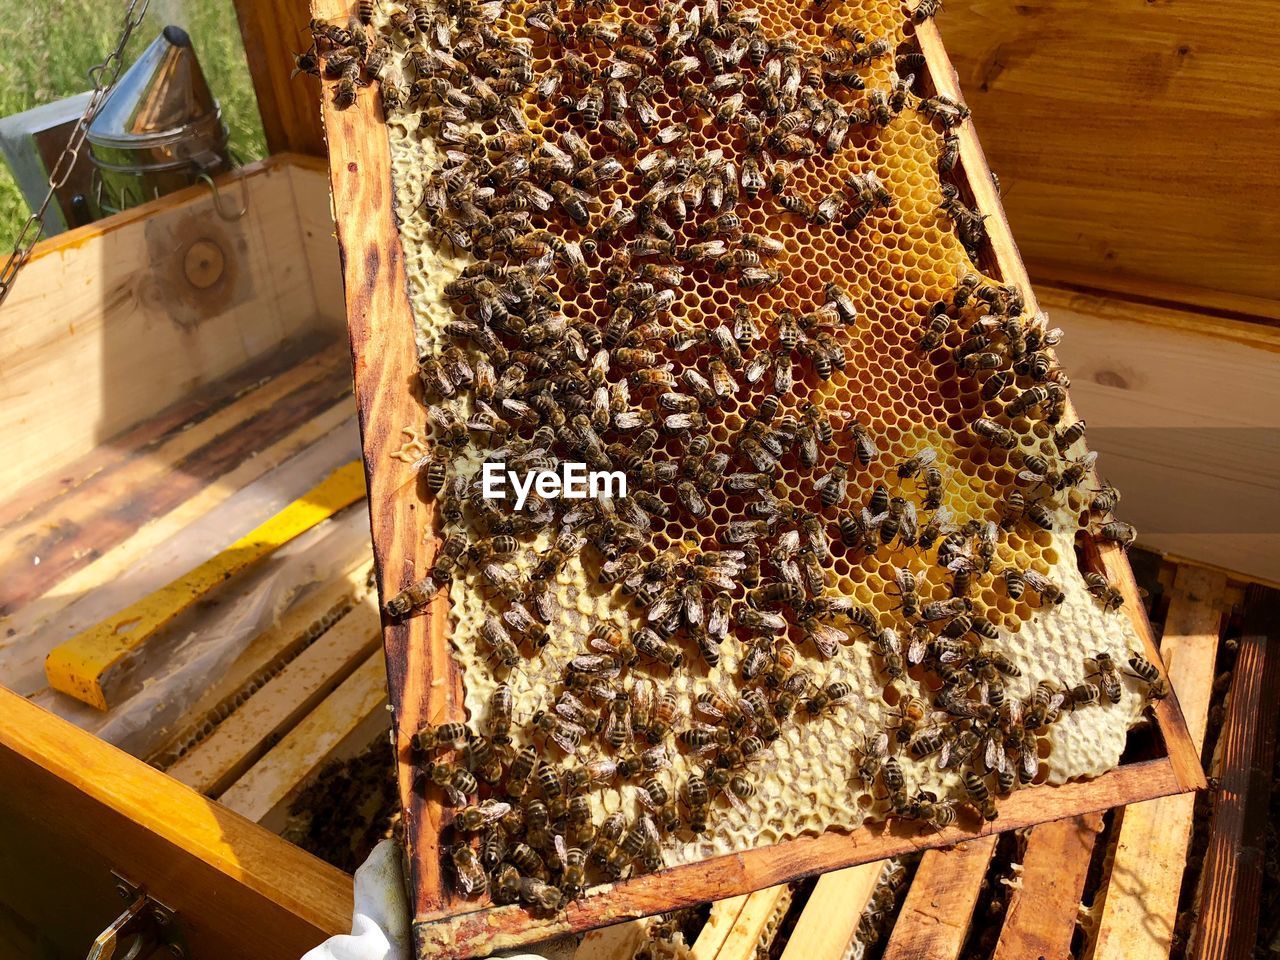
(380, 925)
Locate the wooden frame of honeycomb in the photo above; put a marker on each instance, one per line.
(425, 680)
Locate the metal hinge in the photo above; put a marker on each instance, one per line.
(147, 928)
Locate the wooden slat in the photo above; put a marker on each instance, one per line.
(1084, 111)
(151, 436)
(183, 537)
(1041, 918)
(279, 704)
(721, 920)
(934, 919)
(1140, 904)
(832, 913)
(1231, 880)
(425, 682)
(74, 808)
(273, 30)
(345, 721)
(743, 938)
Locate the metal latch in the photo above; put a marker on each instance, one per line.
(147, 928)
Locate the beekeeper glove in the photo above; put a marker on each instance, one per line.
(380, 924)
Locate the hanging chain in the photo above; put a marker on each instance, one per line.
(103, 77)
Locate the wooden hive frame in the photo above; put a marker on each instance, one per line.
(426, 683)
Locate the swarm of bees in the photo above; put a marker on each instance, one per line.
(596, 155)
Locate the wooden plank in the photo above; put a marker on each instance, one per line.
(1198, 465)
(1084, 108)
(74, 808)
(284, 700)
(274, 30)
(1231, 879)
(108, 476)
(1139, 903)
(742, 939)
(193, 414)
(425, 681)
(618, 942)
(935, 916)
(107, 327)
(721, 920)
(832, 914)
(319, 240)
(346, 721)
(1041, 918)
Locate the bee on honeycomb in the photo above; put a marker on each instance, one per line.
(722, 252)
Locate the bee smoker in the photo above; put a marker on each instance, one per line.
(159, 130)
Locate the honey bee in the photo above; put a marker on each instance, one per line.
(979, 796)
(1118, 532)
(874, 753)
(456, 782)
(307, 62)
(443, 736)
(833, 485)
(823, 698)
(889, 645)
(565, 734)
(1080, 695)
(1105, 499)
(540, 895)
(1109, 596)
(471, 876)
(1015, 583)
(924, 10)
(990, 430)
(344, 93)
(1045, 701)
(1107, 674)
(649, 644)
(1049, 591)
(945, 609)
(477, 818)
(891, 774)
(1145, 670)
(899, 520)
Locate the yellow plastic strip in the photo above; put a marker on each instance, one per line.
(76, 667)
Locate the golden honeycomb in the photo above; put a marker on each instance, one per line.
(896, 265)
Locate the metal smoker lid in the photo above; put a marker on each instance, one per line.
(160, 100)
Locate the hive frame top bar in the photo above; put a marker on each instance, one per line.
(425, 682)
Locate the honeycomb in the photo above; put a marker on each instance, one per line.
(896, 264)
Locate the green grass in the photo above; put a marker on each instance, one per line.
(49, 45)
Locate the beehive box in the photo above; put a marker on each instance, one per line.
(393, 282)
(172, 379)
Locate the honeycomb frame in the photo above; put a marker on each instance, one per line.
(425, 681)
